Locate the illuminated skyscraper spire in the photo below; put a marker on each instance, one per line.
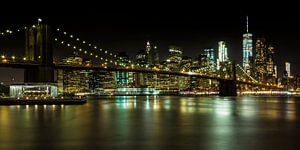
(247, 49)
(247, 24)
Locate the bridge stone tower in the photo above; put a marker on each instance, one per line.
(38, 49)
(228, 87)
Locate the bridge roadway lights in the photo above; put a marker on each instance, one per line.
(227, 88)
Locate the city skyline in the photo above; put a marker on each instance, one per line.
(192, 31)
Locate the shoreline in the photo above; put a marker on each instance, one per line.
(11, 101)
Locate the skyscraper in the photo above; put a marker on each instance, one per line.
(222, 53)
(175, 57)
(122, 76)
(140, 58)
(210, 53)
(260, 59)
(271, 74)
(247, 50)
(151, 55)
(288, 68)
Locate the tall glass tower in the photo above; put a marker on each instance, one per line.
(222, 53)
(247, 50)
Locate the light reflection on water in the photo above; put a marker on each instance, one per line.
(154, 122)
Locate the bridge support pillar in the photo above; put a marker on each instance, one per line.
(39, 74)
(227, 88)
(39, 50)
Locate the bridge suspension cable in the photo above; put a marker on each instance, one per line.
(246, 73)
(84, 51)
(11, 31)
(91, 50)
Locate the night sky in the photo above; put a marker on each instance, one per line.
(193, 27)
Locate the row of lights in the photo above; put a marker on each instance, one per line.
(86, 43)
(84, 51)
(13, 57)
(10, 32)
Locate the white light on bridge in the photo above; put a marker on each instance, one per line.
(55, 39)
(85, 52)
(74, 47)
(13, 57)
(57, 29)
(2, 56)
(62, 42)
(91, 54)
(105, 52)
(68, 45)
(96, 56)
(95, 47)
(100, 49)
(83, 42)
(77, 39)
(101, 58)
(80, 49)
(65, 33)
(71, 36)
(90, 44)
(24, 58)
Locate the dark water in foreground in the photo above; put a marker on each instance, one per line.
(138, 123)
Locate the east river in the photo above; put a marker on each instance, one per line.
(155, 122)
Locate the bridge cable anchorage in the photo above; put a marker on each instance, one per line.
(247, 74)
(84, 43)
